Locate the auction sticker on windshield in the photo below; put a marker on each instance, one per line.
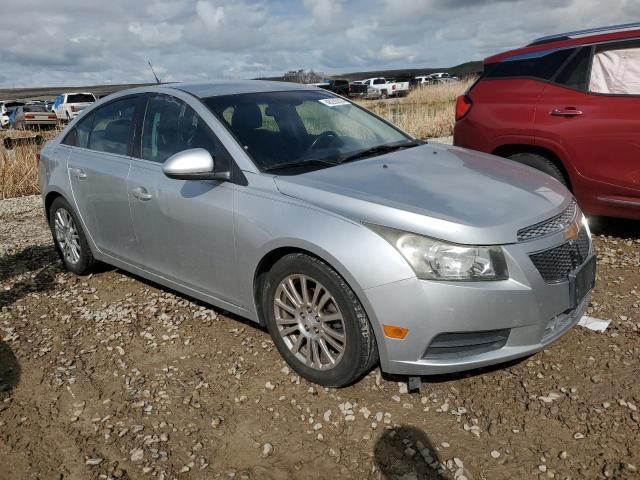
(333, 102)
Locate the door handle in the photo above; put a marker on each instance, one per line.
(78, 172)
(565, 112)
(141, 193)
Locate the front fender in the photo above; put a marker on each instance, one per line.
(270, 222)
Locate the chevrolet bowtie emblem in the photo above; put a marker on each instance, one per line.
(571, 231)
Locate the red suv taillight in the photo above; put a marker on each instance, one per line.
(463, 106)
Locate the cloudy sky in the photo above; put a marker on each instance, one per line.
(64, 42)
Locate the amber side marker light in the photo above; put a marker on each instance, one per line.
(399, 333)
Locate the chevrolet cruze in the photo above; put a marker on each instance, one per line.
(351, 241)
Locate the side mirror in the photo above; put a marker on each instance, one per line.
(194, 164)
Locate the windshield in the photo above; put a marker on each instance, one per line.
(286, 128)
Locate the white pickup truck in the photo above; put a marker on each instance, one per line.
(68, 105)
(387, 88)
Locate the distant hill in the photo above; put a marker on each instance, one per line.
(462, 70)
(50, 92)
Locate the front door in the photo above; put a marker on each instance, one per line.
(593, 111)
(98, 167)
(184, 228)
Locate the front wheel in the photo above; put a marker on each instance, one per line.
(316, 321)
(69, 238)
(542, 163)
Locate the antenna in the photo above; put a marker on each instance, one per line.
(154, 73)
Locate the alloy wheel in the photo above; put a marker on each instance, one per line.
(67, 236)
(310, 322)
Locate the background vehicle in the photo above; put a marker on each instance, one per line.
(567, 105)
(270, 199)
(420, 81)
(402, 86)
(68, 105)
(4, 116)
(386, 89)
(33, 116)
(344, 88)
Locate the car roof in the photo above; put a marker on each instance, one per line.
(229, 87)
(570, 39)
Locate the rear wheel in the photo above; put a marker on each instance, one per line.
(542, 163)
(69, 238)
(316, 321)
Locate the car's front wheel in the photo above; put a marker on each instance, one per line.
(316, 321)
(69, 238)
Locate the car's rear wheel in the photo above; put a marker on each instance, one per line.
(542, 163)
(316, 321)
(69, 238)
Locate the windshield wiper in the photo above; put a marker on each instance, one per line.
(298, 163)
(379, 150)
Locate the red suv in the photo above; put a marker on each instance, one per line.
(568, 105)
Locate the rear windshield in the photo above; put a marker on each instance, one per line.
(80, 98)
(33, 108)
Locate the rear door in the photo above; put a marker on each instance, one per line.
(98, 168)
(592, 110)
(184, 227)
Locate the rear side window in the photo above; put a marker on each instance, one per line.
(616, 69)
(79, 135)
(576, 72)
(112, 127)
(81, 98)
(543, 67)
(171, 126)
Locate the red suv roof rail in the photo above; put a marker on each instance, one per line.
(572, 39)
(582, 33)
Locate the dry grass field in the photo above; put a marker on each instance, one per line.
(425, 113)
(19, 165)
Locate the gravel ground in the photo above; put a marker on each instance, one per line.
(108, 376)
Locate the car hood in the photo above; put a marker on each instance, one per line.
(436, 190)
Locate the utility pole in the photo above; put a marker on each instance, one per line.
(154, 73)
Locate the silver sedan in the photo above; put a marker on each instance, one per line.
(352, 242)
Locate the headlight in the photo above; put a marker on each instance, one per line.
(437, 260)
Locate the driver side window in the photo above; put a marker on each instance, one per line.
(171, 126)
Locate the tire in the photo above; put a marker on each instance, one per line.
(71, 242)
(384, 94)
(542, 163)
(359, 350)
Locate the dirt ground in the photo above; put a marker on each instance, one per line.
(109, 376)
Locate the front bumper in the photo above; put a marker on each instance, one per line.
(497, 321)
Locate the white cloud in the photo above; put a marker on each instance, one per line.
(154, 35)
(95, 41)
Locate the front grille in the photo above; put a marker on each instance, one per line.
(448, 346)
(556, 263)
(552, 225)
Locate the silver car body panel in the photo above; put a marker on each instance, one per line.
(207, 239)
